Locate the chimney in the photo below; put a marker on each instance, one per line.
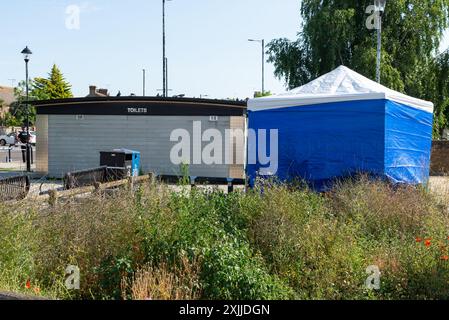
(92, 90)
(103, 92)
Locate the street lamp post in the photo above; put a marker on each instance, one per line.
(164, 58)
(144, 80)
(166, 77)
(262, 42)
(163, 49)
(26, 53)
(380, 8)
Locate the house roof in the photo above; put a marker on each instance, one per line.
(7, 95)
(339, 85)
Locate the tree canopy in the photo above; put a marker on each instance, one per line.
(52, 87)
(259, 94)
(334, 33)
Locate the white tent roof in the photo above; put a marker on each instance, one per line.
(342, 84)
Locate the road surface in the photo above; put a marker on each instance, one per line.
(16, 154)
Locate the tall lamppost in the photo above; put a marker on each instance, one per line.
(262, 42)
(164, 58)
(380, 8)
(166, 77)
(26, 54)
(144, 80)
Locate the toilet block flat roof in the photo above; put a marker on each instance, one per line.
(141, 106)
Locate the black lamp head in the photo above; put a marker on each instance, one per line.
(26, 53)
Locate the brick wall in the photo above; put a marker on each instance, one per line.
(440, 158)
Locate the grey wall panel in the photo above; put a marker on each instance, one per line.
(75, 144)
(42, 144)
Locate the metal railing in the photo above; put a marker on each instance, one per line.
(90, 177)
(7, 151)
(14, 188)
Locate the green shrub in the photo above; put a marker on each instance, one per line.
(231, 271)
(274, 242)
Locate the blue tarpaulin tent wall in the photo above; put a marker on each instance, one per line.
(342, 124)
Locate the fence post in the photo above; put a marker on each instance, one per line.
(69, 181)
(151, 179)
(97, 187)
(192, 183)
(53, 197)
(131, 184)
(230, 186)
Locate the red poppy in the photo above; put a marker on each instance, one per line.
(445, 258)
(418, 240)
(28, 284)
(428, 243)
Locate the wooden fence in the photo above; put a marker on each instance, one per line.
(52, 196)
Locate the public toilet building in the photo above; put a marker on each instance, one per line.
(71, 133)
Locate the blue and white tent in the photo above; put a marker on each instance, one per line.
(341, 124)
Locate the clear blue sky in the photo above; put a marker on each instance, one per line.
(207, 43)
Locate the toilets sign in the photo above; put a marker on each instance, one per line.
(137, 110)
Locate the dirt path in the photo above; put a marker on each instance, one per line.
(15, 296)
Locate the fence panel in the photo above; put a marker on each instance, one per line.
(14, 188)
(85, 178)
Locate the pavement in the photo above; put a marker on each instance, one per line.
(16, 296)
(16, 154)
(16, 166)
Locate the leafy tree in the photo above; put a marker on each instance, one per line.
(434, 86)
(53, 87)
(17, 110)
(334, 33)
(259, 94)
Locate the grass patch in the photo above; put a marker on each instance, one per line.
(274, 242)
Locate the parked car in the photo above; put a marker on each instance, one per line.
(8, 139)
(33, 137)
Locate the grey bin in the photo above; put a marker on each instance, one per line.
(122, 158)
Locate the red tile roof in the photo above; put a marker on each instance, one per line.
(7, 95)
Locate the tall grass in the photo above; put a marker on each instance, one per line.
(274, 242)
(164, 282)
